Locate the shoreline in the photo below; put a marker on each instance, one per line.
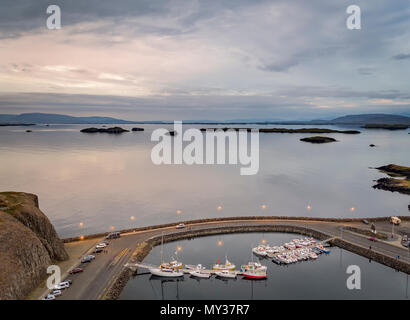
(222, 219)
(118, 284)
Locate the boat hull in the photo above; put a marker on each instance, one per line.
(200, 275)
(167, 274)
(254, 276)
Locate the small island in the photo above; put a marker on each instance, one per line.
(318, 139)
(386, 126)
(399, 181)
(286, 130)
(113, 130)
(137, 129)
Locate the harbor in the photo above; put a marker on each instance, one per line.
(297, 250)
(282, 282)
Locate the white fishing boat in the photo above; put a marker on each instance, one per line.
(226, 274)
(221, 267)
(251, 272)
(260, 250)
(194, 267)
(255, 265)
(199, 272)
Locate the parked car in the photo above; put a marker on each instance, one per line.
(101, 245)
(98, 250)
(372, 239)
(49, 297)
(180, 226)
(56, 293)
(86, 260)
(76, 270)
(62, 285)
(91, 257)
(70, 282)
(365, 221)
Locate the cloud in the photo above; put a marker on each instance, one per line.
(202, 58)
(401, 56)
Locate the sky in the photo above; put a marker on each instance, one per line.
(211, 59)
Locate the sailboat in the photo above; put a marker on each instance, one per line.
(170, 270)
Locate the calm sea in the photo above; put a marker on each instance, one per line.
(105, 181)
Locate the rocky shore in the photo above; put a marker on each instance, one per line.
(28, 245)
(401, 181)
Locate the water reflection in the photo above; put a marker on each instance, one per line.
(103, 180)
(324, 278)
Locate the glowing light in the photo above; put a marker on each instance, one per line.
(81, 224)
(179, 248)
(308, 208)
(220, 243)
(179, 211)
(219, 208)
(352, 209)
(81, 237)
(263, 207)
(263, 241)
(111, 227)
(132, 218)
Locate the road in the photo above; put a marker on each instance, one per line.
(100, 274)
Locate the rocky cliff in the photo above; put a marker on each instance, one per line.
(28, 245)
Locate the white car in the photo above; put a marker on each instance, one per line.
(101, 246)
(49, 297)
(57, 293)
(180, 226)
(62, 285)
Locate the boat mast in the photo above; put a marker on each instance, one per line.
(162, 248)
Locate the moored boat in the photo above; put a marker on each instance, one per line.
(253, 270)
(226, 274)
(227, 266)
(200, 274)
(166, 272)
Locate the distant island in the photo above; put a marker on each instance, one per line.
(285, 130)
(386, 126)
(113, 130)
(393, 184)
(46, 118)
(50, 118)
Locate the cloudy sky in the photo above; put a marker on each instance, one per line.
(210, 59)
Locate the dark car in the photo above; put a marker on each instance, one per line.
(98, 250)
(86, 260)
(365, 221)
(76, 270)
